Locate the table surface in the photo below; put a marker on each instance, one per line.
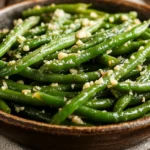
(6, 144)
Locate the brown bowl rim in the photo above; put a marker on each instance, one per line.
(13, 120)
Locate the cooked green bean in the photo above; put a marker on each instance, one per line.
(114, 117)
(4, 107)
(75, 60)
(72, 65)
(40, 53)
(70, 8)
(76, 102)
(16, 32)
(30, 113)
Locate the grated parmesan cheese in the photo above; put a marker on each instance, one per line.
(77, 119)
(93, 14)
(26, 48)
(26, 91)
(86, 85)
(54, 84)
(99, 81)
(73, 71)
(62, 55)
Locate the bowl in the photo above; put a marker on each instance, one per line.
(46, 136)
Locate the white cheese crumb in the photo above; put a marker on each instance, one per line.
(77, 119)
(86, 85)
(93, 14)
(124, 17)
(52, 26)
(18, 21)
(36, 88)
(99, 81)
(143, 99)
(18, 55)
(113, 82)
(132, 57)
(72, 86)
(72, 26)
(79, 42)
(139, 67)
(68, 102)
(26, 91)
(130, 93)
(6, 77)
(79, 52)
(59, 13)
(82, 34)
(43, 111)
(53, 5)
(20, 81)
(62, 55)
(12, 62)
(73, 71)
(111, 19)
(103, 73)
(18, 109)
(26, 48)
(137, 21)
(21, 39)
(5, 86)
(126, 61)
(117, 67)
(109, 72)
(141, 48)
(37, 7)
(85, 22)
(65, 99)
(54, 84)
(109, 51)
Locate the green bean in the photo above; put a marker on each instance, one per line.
(77, 101)
(100, 103)
(128, 47)
(96, 104)
(145, 75)
(38, 30)
(93, 40)
(145, 35)
(30, 113)
(75, 60)
(134, 86)
(47, 89)
(17, 31)
(114, 117)
(126, 99)
(104, 116)
(70, 8)
(135, 72)
(2, 64)
(107, 60)
(122, 103)
(4, 107)
(121, 17)
(40, 53)
(60, 78)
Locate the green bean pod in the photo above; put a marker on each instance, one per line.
(17, 31)
(75, 60)
(4, 107)
(77, 101)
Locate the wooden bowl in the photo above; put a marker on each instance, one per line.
(47, 136)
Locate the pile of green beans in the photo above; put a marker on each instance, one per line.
(72, 65)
